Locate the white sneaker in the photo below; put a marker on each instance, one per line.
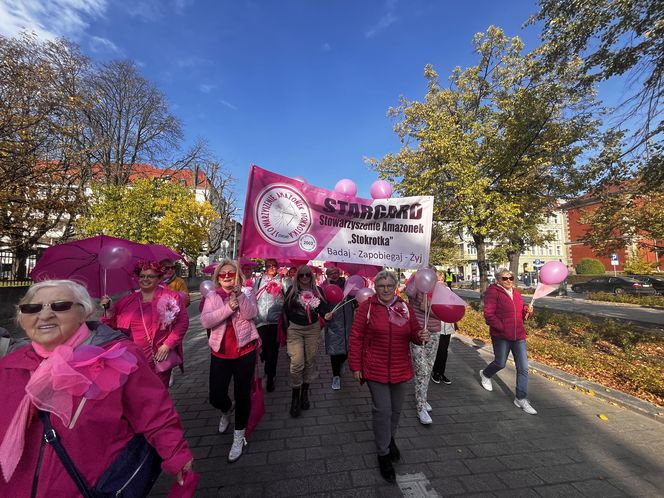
(425, 418)
(486, 381)
(336, 382)
(225, 419)
(524, 404)
(427, 406)
(239, 442)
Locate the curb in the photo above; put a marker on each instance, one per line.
(619, 398)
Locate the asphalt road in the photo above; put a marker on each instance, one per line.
(574, 303)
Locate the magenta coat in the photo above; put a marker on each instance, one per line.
(126, 311)
(379, 348)
(505, 314)
(102, 430)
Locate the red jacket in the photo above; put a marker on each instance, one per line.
(505, 314)
(379, 348)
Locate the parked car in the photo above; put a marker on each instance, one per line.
(615, 285)
(656, 282)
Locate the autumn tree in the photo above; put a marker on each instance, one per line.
(614, 38)
(41, 98)
(130, 123)
(150, 210)
(497, 147)
(220, 193)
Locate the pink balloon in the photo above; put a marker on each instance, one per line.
(449, 313)
(205, 287)
(333, 293)
(364, 294)
(425, 280)
(553, 272)
(380, 189)
(357, 281)
(299, 179)
(346, 187)
(112, 257)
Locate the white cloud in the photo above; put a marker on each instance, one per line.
(49, 19)
(206, 87)
(225, 103)
(104, 45)
(385, 21)
(182, 5)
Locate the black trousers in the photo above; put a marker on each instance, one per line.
(270, 352)
(242, 371)
(337, 360)
(441, 355)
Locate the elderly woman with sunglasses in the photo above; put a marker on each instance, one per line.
(96, 388)
(383, 329)
(229, 312)
(303, 306)
(154, 317)
(504, 312)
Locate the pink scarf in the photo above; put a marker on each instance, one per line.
(70, 370)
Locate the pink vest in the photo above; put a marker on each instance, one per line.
(216, 312)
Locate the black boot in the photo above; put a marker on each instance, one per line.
(269, 387)
(305, 397)
(386, 469)
(395, 454)
(295, 403)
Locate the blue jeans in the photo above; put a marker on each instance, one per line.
(501, 349)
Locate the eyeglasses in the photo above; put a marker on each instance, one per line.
(386, 287)
(271, 266)
(227, 274)
(57, 306)
(506, 278)
(168, 267)
(144, 276)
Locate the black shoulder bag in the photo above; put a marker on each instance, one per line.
(131, 475)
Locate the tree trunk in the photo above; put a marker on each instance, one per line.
(482, 267)
(513, 258)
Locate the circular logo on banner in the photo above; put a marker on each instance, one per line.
(308, 242)
(281, 214)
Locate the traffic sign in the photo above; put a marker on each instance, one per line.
(538, 263)
(614, 260)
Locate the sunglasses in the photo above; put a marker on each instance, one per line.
(271, 266)
(227, 274)
(386, 287)
(506, 278)
(168, 267)
(143, 276)
(305, 274)
(57, 306)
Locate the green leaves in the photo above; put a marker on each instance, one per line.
(150, 210)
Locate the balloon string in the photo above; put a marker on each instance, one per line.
(342, 304)
(426, 311)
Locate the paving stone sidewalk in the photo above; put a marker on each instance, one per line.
(479, 444)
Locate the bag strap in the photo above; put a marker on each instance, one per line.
(51, 437)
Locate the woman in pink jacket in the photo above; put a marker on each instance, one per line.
(97, 388)
(155, 317)
(504, 312)
(229, 311)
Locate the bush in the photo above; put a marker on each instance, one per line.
(627, 298)
(590, 266)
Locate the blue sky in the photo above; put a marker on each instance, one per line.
(297, 87)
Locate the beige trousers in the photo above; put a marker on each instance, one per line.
(302, 345)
